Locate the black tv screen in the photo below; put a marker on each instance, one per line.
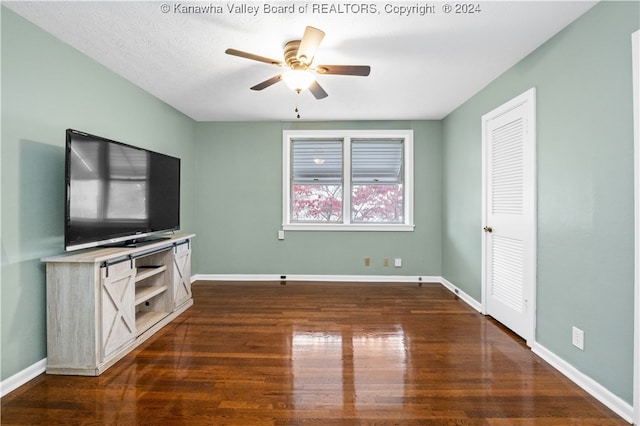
(117, 193)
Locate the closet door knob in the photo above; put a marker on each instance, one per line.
(488, 229)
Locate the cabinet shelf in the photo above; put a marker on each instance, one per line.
(144, 293)
(142, 273)
(145, 320)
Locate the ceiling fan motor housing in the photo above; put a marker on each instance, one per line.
(290, 56)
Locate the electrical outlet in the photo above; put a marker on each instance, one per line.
(367, 261)
(385, 261)
(577, 338)
(398, 263)
(281, 234)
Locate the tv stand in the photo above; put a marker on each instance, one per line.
(103, 303)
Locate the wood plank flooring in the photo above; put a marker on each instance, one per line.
(317, 354)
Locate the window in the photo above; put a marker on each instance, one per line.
(348, 180)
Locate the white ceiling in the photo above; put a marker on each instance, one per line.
(422, 67)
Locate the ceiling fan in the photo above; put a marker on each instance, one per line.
(298, 59)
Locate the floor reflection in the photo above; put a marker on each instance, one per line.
(318, 355)
(349, 370)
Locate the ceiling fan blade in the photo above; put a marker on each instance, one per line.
(359, 70)
(251, 56)
(317, 90)
(309, 44)
(267, 83)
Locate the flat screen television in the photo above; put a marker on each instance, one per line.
(117, 194)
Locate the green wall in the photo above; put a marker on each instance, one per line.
(585, 190)
(47, 87)
(239, 208)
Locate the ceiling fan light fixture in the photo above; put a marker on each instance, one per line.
(298, 80)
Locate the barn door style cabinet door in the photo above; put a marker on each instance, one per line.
(102, 303)
(118, 326)
(182, 274)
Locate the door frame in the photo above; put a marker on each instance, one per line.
(635, 54)
(528, 97)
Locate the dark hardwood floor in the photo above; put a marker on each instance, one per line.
(317, 354)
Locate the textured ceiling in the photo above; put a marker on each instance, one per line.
(423, 65)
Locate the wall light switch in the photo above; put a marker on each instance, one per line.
(281, 234)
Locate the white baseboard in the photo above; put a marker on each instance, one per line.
(461, 294)
(236, 277)
(592, 387)
(21, 377)
(319, 278)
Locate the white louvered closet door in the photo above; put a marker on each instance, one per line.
(510, 217)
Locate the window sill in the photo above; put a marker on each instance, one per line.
(351, 227)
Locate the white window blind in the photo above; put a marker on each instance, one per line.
(316, 161)
(376, 161)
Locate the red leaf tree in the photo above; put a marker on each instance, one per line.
(317, 203)
(369, 203)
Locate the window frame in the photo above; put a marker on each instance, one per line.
(346, 136)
